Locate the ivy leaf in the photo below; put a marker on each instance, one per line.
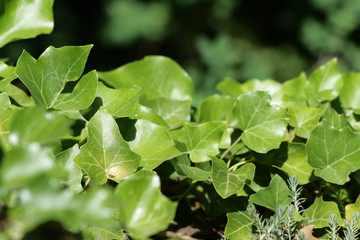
(263, 125)
(119, 102)
(352, 209)
(216, 108)
(82, 96)
(65, 159)
(349, 96)
(325, 83)
(294, 91)
(227, 182)
(334, 153)
(183, 167)
(22, 19)
(46, 77)
(148, 212)
(52, 127)
(292, 159)
(239, 225)
(275, 195)
(104, 233)
(153, 144)
(304, 119)
(202, 140)
(164, 86)
(106, 154)
(319, 213)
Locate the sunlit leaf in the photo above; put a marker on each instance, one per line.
(263, 125)
(82, 96)
(353, 208)
(46, 77)
(277, 194)
(319, 213)
(349, 96)
(228, 182)
(334, 153)
(239, 226)
(153, 144)
(149, 211)
(25, 19)
(216, 108)
(106, 155)
(202, 140)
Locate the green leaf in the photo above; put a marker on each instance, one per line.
(46, 77)
(319, 212)
(304, 119)
(277, 194)
(227, 182)
(106, 154)
(202, 140)
(230, 87)
(18, 95)
(104, 233)
(153, 144)
(164, 84)
(349, 96)
(82, 96)
(334, 153)
(351, 209)
(216, 108)
(292, 159)
(239, 226)
(148, 212)
(65, 159)
(174, 112)
(40, 127)
(263, 125)
(119, 102)
(325, 83)
(294, 91)
(25, 19)
(21, 165)
(183, 168)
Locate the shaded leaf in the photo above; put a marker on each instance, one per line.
(227, 182)
(263, 125)
(277, 194)
(106, 154)
(153, 144)
(148, 212)
(202, 140)
(65, 159)
(334, 153)
(182, 165)
(319, 212)
(46, 77)
(25, 19)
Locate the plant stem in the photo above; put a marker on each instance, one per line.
(231, 147)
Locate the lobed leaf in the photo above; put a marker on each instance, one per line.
(333, 152)
(263, 125)
(239, 226)
(202, 140)
(46, 77)
(227, 182)
(106, 155)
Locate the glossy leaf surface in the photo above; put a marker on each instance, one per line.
(239, 226)
(153, 144)
(25, 19)
(149, 211)
(106, 155)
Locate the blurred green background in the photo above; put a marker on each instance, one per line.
(211, 39)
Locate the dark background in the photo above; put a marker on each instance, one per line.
(211, 39)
